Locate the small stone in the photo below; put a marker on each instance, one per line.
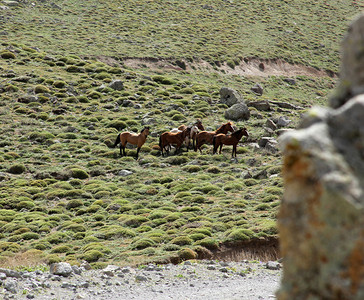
(273, 265)
(141, 278)
(62, 269)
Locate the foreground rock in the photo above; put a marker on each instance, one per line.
(321, 219)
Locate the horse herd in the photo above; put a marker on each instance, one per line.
(184, 135)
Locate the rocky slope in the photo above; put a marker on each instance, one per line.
(190, 280)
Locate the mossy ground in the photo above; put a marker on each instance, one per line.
(61, 190)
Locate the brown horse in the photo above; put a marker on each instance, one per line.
(132, 138)
(205, 137)
(167, 139)
(229, 139)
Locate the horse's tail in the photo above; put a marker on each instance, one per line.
(117, 140)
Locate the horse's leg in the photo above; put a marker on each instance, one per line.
(234, 151)
(137, 154)
(220, 148)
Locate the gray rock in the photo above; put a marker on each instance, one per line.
(273, 265)
(257, 89)
(85, 265)
(116, 85)
(260, 105)
(125, 173)
(110, 270)
(264, 140)
(270, 124)
(283, 121)
(238, 111)
(11, 273)
(230, 96)
(141, 278)
(291, 81)
(148, 121)
(11, 285)
(62, 269)
(245, 175)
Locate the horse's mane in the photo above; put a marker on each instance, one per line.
(144, 129)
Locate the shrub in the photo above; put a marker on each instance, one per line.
(61, 249)
(177, 160)
(26, 205)
(142, 243)
(186, 254)
(192, 168)
(182, 240)
(7, 55)
(78, 173)
(163, 80)
(75, 69)
(209, 243)
(17, 169)
(75, 227)
(117, 124)
(30, 236)
(92, 255)
(41, 89)
(9, 246)
(239, 235)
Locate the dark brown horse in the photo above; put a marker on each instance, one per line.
(132, 138)
(205, 137)
(168, 138)
(229, 139)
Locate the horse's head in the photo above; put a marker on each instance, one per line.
(145, 130)
(199, 124)
(229, 127)
(194, 129)
(245, 132)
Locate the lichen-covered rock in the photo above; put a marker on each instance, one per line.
(352, 64)
(238, 111)
(321, 219)
(229, 96)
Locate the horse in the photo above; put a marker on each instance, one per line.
(188, 138)
(205, 137)
(228, 139)
(132, 138)
(168, 138)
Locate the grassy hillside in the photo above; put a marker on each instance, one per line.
(63, 192)
(306, 32)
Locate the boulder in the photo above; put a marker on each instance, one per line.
(229, 96)
(321, 220)
(351, 81)
(257, 89)
(260, 105)
(238, 111)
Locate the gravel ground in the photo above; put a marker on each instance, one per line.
(189, 280)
